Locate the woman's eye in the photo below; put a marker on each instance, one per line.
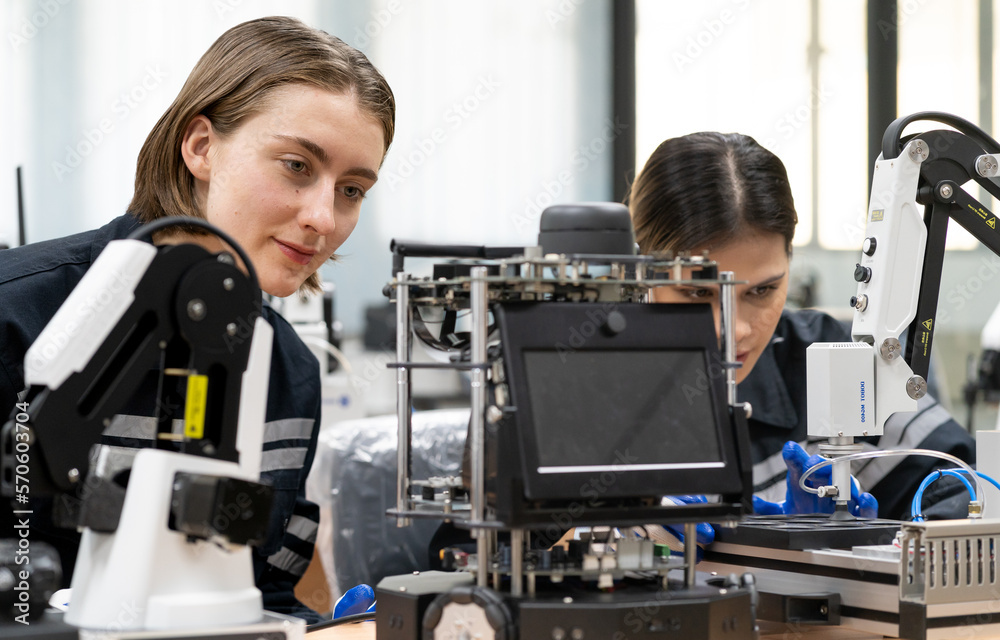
(761, 292)
(354, 193)
(698, 293)
(295, 166)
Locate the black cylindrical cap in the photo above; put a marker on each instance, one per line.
(590, 227)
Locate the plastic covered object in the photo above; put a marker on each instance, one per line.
(353, 480)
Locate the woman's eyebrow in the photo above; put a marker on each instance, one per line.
(770, 280)
(306, 144)
(323, 158)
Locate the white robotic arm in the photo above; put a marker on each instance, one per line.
(853, 388)
(166, 545)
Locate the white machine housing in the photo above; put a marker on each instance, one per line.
(896, 224)
(841, 379)
(897, 237)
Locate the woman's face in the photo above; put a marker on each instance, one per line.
(762, 261)
(288, 183)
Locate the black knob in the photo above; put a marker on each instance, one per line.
(614, 325)
(868, 246)
(862, 274)
(854, 302)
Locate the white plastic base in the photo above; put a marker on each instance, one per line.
(273, 626)
(145, 576)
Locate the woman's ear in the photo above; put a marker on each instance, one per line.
(198, 138)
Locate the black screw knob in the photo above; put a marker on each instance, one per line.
(862, 274)
(854, 301)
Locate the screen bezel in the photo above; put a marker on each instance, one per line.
(551, 326)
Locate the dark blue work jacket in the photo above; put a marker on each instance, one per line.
(37, 278)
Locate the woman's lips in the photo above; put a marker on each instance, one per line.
(301, 255)
(742, 357)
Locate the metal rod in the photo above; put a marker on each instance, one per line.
(690, 552)
(727, 314)
(814, 56)
(21, 237)
(403, 398)
(477, 424)
(516, 562)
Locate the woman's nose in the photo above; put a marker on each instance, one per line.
(741, 327)
(319, 213)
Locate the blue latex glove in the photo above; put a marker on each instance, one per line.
(862, 505)
(359, 599)
(705, 533)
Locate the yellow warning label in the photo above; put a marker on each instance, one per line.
(878, 215)
(992, 223)
(928, 324)
(194, 411)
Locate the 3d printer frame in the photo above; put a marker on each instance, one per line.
(481, 282)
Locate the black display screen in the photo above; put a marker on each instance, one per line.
(622, 410)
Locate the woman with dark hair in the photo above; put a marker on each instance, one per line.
(726, 194)
(275, 138)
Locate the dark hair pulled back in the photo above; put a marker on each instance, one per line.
(703, 190)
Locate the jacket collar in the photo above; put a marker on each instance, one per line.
(117, 229)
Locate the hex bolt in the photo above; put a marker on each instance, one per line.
(945, 191)
(231, 328)
(228, 284)
(73, 475)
